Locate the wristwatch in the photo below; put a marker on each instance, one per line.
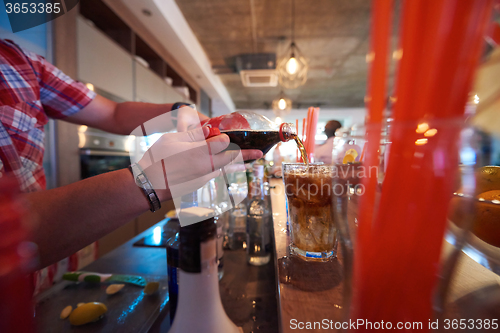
(178, 105)
(143, 182)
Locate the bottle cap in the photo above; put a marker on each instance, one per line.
(213, 131)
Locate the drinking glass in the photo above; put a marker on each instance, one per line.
(309, 190)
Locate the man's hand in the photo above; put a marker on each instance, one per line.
(187, 118)
(180, 163)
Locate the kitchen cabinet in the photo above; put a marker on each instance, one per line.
(173, 96)
(102, 62)
(149, 86)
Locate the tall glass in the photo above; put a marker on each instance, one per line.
(313, 230)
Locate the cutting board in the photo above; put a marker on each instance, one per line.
(129, 310)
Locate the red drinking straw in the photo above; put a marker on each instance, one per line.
(361, 157)
(297, 150)
(304, 124)
(309, 125)
(379, 47)
(312, 134)
(494, 35)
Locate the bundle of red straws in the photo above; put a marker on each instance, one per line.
(399, 241)
(309, 126)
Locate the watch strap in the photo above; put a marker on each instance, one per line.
(178, 105)
(143, 182)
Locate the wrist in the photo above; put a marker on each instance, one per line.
(145, 185)
(155, 175)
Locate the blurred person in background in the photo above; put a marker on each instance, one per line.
(70, 217)
(323, 153)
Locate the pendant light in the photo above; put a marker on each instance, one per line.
(292, 67)
(282, 105)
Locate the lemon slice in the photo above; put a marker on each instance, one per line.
(87, 313)
(66, 312)
(114, 288)
(350, 156)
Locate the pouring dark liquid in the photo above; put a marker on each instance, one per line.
(262, 140)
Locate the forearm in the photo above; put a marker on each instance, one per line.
(123, 118)
(73, 216)
(129, 115)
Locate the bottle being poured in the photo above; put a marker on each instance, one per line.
(250, 130)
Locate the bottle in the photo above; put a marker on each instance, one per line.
(237, 226)
(17, 258)
(258, 222)
(173, 271)
(220, 246)
(250, 130)
(187, 200)
(199, 307)
(171, 228)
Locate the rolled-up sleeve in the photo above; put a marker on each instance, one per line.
(61, 96)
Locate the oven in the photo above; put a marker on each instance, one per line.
(101, 152)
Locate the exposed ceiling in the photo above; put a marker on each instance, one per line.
(332, 34)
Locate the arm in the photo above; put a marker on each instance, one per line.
(64, 98)
(120, 118)
(73, 216)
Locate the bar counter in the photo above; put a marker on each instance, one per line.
(271, 298)
(312, 292)
(248, 293)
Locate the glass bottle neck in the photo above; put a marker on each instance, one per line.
(258, 182)
(287, 132)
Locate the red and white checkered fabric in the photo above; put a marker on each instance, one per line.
(31, 91)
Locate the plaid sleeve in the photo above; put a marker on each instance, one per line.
(61, 96)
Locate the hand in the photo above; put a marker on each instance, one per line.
(188, 118)
(182, 162)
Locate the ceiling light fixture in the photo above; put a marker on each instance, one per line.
(292, 68)
(282, 105)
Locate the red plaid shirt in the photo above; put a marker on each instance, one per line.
(31, 91)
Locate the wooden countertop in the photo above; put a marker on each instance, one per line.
(309, 292)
